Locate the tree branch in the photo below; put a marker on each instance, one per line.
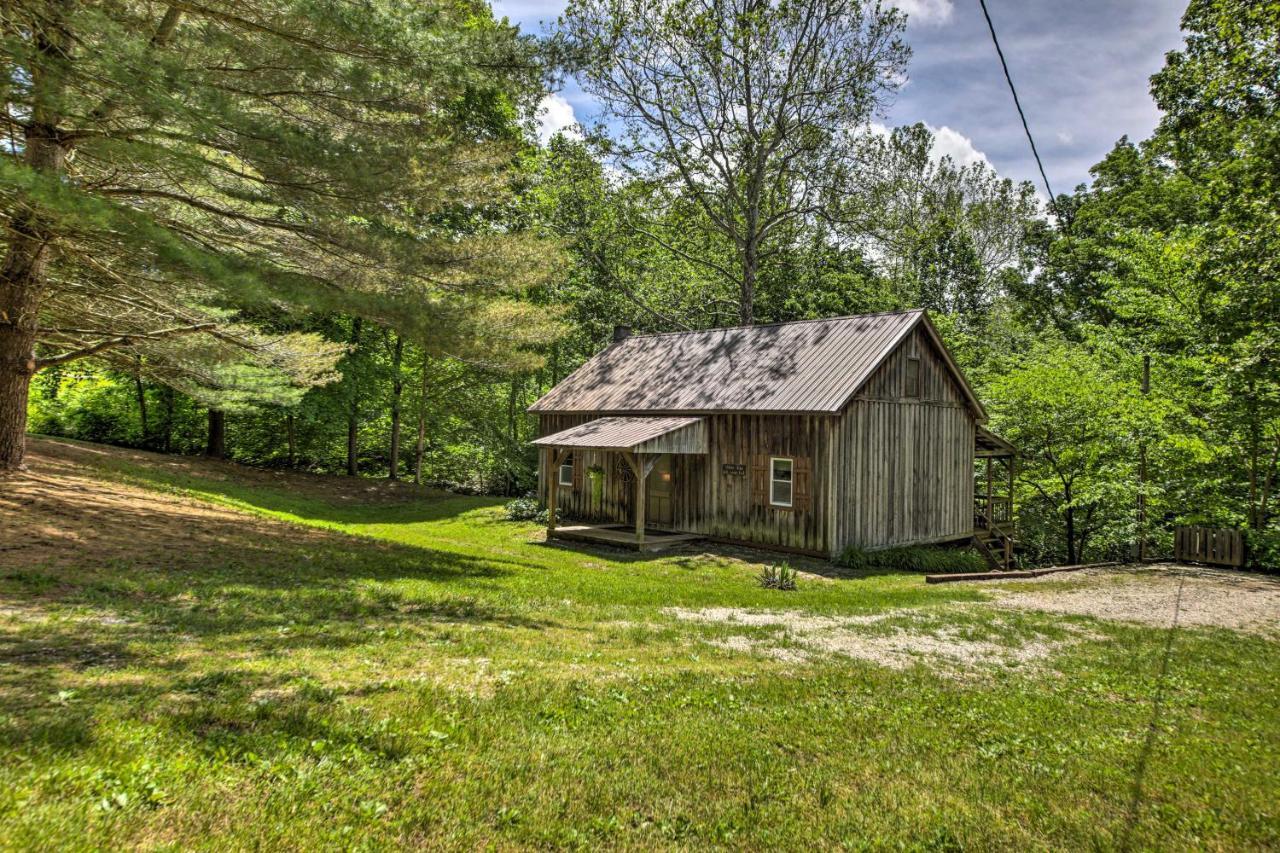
(123, 340)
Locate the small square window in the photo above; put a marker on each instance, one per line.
(911, 382)
(780, 487)
(566, 472)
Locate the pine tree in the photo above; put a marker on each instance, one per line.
(173, 170)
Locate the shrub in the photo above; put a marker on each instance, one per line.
(1263, 549)
(525, 509)
(780, 576)
(913, 558)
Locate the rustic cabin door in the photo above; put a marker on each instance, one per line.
(658, 488)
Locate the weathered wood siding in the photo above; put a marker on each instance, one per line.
(709, 499)
(903, 468)
(889, 470)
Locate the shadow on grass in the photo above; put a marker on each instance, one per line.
(340, 508)
(1138, 794)
(693, 557)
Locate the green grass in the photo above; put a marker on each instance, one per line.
(426, 674)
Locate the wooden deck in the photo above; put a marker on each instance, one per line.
(620, 536)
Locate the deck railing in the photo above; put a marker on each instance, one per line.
(996, 513)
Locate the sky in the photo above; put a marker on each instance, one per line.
(1081, 68)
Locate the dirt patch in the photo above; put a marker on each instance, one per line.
(879, 638)
(61, 511)
(1155, 594)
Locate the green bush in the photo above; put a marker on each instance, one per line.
(525, 509)
(914, 558)
(1263, 549)
(780, 576)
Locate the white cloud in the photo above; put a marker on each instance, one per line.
(946, 143)
(1065, 137)
(555, 115)
(957, 146)
(926, 11)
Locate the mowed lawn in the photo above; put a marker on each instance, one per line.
(198, 656)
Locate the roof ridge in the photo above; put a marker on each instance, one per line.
(778, 323)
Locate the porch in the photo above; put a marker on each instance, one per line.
(644, 446)
(622, 536)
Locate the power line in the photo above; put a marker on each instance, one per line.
(1018, 104)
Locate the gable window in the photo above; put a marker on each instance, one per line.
(780, 482)
(566, 472)
(911, 381)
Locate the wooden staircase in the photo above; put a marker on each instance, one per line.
(993, 530)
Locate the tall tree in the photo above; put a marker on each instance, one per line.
(1221, 127)
(397, 390)
(947, 236)
(751, 107)
(171, 165)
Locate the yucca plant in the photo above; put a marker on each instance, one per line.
(779, 576)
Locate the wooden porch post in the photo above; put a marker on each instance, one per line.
(554, 457)
(1011, 462)
(990, 495)
(641, 476)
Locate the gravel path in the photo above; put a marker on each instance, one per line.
(1154, 594)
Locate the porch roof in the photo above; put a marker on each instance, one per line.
(987, 443)
(637, 434)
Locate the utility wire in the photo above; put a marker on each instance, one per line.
(1018, 104)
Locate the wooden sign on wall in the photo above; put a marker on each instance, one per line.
(733, 469)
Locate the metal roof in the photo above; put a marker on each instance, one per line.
(618, 433)
(804, 366)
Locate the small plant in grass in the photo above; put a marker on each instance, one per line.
(778, 576)
(915, 558)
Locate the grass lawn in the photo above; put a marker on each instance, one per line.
(199, 657)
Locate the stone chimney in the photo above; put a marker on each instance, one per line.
(621, 333)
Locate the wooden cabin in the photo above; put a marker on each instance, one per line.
(807, 436)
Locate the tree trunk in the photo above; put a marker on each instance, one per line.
(397, 387)
(353, 406)
(141, 391)
(513, 434)
(422, 421)
(216, 446)
(747, 297)
(1255, 519)
(166, 437)
(26, 250)
(1070, 514)
(291, 437)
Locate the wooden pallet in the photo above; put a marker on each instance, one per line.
(1215, 546)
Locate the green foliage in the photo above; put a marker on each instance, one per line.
(1073, 417)
(914, 558)
(237, 173)
(948, 237)
(779, 576)
(524, 509)
(1263, 550)
(736, 149)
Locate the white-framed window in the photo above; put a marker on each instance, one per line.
(565, 477)
(780, 482)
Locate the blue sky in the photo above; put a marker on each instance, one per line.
(1081, 68)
